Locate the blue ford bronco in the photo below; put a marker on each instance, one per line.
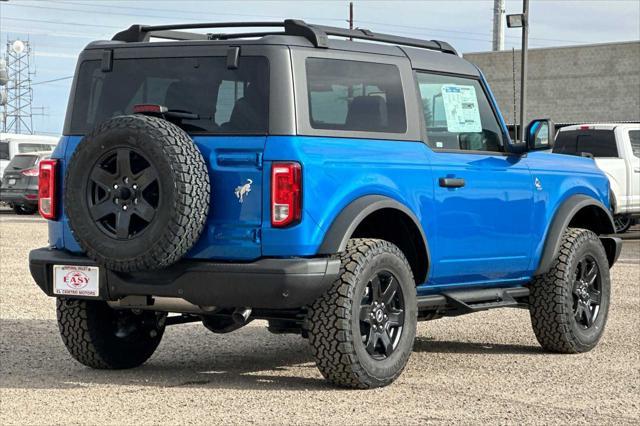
(339, 189)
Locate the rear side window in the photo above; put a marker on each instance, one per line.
(225, 100)
(20, 162)
(634, 137)
(355, 96)
(457, 114)
(598, 143)
(4, 150)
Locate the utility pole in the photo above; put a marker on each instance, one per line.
(498, 27)
(350, 15)
(521, 20)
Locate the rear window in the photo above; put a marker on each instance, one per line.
(20, 162)
(634, 136)
(24, 148)
(350, 95)
(225, 100)
(598, 143)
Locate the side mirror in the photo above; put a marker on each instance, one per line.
(540, 135)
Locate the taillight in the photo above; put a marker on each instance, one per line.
(47, 189)
(30, 172)
(286, 194)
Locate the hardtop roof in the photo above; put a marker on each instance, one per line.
(431, 55)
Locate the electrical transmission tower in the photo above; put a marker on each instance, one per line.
(17, 115)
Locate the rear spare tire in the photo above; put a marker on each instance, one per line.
(136, 193)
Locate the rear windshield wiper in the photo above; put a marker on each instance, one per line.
(164, 112)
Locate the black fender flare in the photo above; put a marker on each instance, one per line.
(561, 219)
(336, 238)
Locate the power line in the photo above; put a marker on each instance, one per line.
(144, 9)
(146, 15)
(43, 21)
(51, 81)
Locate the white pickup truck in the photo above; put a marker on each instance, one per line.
(615, 147)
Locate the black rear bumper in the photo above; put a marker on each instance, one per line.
(265, 283)
(20, 197)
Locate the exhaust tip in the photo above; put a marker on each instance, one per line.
(241, 315)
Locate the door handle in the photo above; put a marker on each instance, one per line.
(637, 170)
(451, 182)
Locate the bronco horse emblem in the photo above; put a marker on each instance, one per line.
(242, 190)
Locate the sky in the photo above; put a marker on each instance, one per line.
(58, 30)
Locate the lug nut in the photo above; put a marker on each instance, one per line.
(116, 201)
(126, 180)
(124, 207)
(115, 186)
(135, 186)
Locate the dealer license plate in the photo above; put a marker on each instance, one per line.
(12, 181)
(74, 280)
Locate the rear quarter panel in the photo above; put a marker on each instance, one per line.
(333, 176)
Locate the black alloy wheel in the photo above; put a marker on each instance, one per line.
(381, 315)
(622, 223)
(586, 292)
(124, 193)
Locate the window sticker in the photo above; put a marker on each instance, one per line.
(461, 108)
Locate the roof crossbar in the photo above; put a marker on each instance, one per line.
(318, 35)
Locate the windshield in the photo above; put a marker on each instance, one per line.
(225, 100)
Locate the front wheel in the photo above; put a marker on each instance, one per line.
(362, 330)
(569, 304)
(101, 337)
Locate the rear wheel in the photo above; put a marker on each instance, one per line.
(105, 338)
(569, 304)
(362, 330)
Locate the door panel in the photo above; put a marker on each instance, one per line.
(484, 227)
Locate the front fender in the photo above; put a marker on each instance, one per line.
(561, 220)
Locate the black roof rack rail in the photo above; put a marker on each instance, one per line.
(316, 34)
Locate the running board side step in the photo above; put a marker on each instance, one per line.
(460, 302)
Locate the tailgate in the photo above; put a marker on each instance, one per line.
(233, 229)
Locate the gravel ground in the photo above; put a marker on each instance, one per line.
(485, 367)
